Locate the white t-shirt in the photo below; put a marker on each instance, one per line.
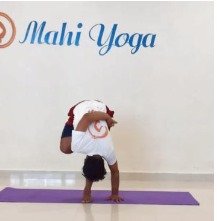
(97, 139)
(86, 107)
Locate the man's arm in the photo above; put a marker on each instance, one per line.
(115, 183)
(66, 139)
(89, 118)
(65, 145)
(87, 192)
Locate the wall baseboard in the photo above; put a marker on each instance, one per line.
(208, 177)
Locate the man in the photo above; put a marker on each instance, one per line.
(92, 121)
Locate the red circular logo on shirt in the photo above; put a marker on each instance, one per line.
(98, 131)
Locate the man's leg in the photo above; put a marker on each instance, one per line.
(66, 139)
(65, 145)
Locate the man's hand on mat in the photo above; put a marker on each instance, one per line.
(115, 198)
(86, 198)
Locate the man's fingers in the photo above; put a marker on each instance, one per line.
(120, 199)
(86, 201)
(116, 200)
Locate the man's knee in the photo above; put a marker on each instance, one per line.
(65, 145)
(65, 149)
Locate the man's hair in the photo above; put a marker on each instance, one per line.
(94, 169)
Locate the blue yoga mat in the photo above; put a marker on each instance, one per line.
(98, 196)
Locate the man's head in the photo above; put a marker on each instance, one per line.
(94, 169)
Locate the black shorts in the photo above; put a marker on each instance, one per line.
(67, 131)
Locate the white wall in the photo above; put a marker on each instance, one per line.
(163, 96)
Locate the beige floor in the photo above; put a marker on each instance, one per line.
(201, 189)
